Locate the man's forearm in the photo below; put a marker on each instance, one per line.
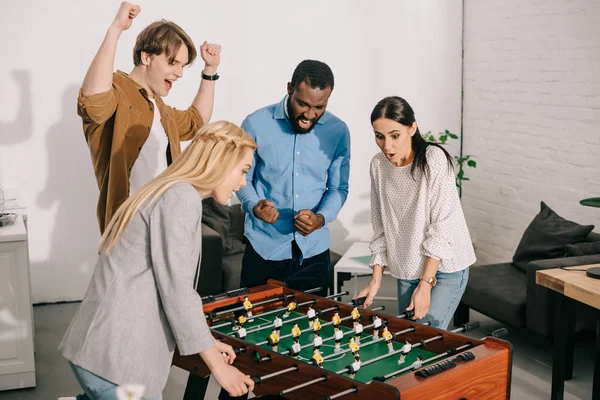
(205, 98)
(98, 78)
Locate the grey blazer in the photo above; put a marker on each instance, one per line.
(141, 301)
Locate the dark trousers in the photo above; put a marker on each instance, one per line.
(312, 273)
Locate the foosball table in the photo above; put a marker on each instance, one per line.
(303, 346)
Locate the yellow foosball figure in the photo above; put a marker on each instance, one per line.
(354, 347)
(355, 315)
(290, 307)
(316, 325)
(387, 335)
(273, 340)
(317, 358)
(296, 331)
(336, 320)
(248, 308)
(239, 322)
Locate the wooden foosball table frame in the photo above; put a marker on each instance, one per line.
(486, 376)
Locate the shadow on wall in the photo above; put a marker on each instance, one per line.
(72, 191)
(21, 129)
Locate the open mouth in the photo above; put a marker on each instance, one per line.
(304, 123)
(169, 83)
(390, 155)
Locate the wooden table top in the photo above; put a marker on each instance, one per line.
(574, 284)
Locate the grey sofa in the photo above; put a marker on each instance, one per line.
(508, 295)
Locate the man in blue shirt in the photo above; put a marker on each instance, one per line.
(297, 184)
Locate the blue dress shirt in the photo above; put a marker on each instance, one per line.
(296, 171)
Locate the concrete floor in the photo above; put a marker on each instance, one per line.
(532, 359)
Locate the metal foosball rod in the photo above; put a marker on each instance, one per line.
(262, 328)
(309, 302)
(411, 329)
(297, 318)
(380, 308)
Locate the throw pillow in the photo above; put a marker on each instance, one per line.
(546, 237)
(582, 249)
(228, 222)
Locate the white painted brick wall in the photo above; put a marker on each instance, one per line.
(531, 116)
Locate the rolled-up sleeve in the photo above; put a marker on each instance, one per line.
(99, 107)
(443, 203)
(175, 237)
(188, 122)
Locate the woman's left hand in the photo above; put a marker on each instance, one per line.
(420, 300)
(226, 350)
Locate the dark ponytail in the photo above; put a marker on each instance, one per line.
(397, 109)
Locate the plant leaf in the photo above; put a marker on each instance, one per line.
(452, 135)
(472, 163)
(443, 138)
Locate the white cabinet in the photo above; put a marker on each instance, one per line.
(17, 366)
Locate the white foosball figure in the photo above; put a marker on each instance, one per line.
(338, 335)
(311, 314)
(277, 322)
(317, 341)
(241, 333)
(405, 350)
(354, 367)
(417, 364)
(296, 348)
(358, 328)
(377, 323)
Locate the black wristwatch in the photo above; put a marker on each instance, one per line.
(210, 77)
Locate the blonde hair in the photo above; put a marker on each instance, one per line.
(213, 153)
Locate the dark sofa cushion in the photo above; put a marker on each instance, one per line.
(582, 249)
(228, 221)
(498, 291)
(546, 237)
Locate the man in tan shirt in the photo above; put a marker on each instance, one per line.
(129, 142)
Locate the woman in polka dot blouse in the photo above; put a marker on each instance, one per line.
(420, 233)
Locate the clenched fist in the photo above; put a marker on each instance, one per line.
(127, 12)
(265, 210)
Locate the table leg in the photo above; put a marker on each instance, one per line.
(335, 282)
(596, 384)
(196, 387)
(564, 328)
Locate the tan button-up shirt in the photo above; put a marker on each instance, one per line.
(116, 124)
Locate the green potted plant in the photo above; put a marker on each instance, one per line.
(461, 160)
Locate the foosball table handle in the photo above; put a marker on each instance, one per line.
(260, 358)
(239, 350)
(358, 302)
(498, 333)
(469, 326)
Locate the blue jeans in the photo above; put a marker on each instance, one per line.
(445, 296)
(96, 388)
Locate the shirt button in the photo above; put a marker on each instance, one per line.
(297, 174)
(148, 128)
(297, 153)
(151, 109)
(297, 195)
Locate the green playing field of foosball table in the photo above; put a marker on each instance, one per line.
(332, 361)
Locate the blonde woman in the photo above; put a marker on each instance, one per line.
(141, 301)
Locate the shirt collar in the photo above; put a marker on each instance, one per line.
(139, 87)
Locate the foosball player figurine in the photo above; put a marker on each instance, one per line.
(240, 321)
(248, 308)
(338, 335)
(317, 358)
(316, 325)
(354, 347)
(377, 322)
(336, 321)
(405, 350)
(387, 335)
(358, 328)
(354, 367)
(290, 307)
(417, 364)
(312, 315)
(277, 322)
(295, 349)
(241, 333)
(355, 315)
(317, 341)
(273, 340)
(296, 331)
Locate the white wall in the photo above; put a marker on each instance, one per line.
(375, 49)
(531, 116)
